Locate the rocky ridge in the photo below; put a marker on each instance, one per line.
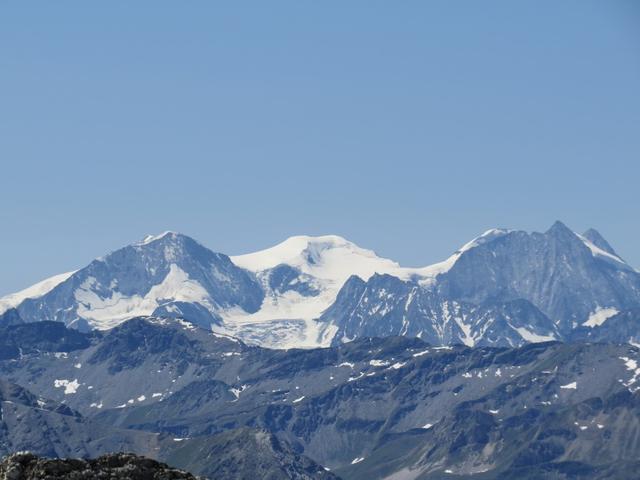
(117, 466)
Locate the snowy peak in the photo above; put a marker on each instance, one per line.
(333, 258)
(292, 251)
(175, 245)
(327, 257)
(300, 278)
(169, 274)
(597, 245)
(152, 238)
(486, 237)
(559, 229)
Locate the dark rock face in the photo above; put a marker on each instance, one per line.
(10, 317)
(555, 270)
(48, 428)
(284, 278)
(133, 361)
(387, 306)
(54, 430)
(119, 466)
(129, 345)
(29, 338)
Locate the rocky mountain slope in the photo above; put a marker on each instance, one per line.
(29, 421)
(504, 288)
(246, 453)
(380, 408)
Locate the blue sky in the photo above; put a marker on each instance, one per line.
(408, 127)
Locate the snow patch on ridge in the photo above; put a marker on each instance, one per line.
(70, 386)
(599, 316)
(598, 252)
(531, 337)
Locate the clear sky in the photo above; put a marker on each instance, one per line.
(407, 127)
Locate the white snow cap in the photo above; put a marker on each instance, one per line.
(327, 257)
(331, 257)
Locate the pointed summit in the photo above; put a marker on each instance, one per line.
(172, 247)
(598, 240)
(167, 238)
(559, 229)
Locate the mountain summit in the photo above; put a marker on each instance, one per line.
(169, 275)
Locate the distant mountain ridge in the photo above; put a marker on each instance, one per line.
(559, 281)
(504, 288)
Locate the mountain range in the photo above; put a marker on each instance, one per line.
(503, 288)
(374, 408)
(516, 357)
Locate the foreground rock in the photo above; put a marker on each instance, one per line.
(26, 466)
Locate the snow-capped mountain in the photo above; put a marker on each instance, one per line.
(301, 278)
(505, 287)
(556, 281)
(168, 275)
